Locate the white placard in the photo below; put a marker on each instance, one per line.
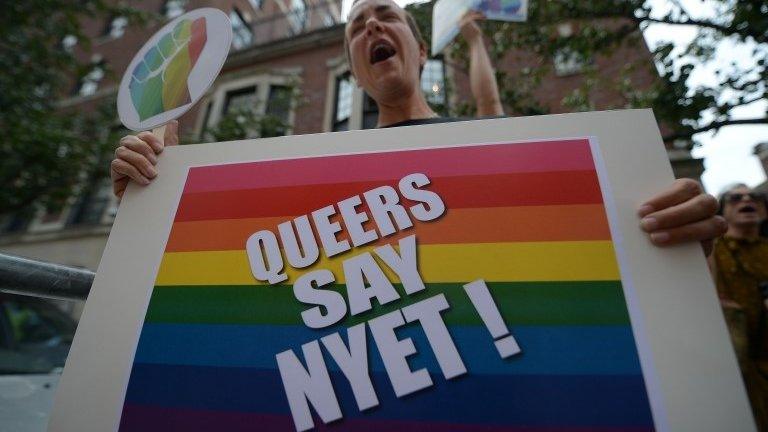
(688, 366)
(174, 69)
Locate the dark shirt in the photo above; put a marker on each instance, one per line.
(431, 120)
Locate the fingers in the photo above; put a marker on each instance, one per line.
(140, 146)
(476, 15)
(120, 170)
(136, 156)
(682, 213)
(148, 137)
(697, 208)
(139, 161)
(681, 190)
(697, 231)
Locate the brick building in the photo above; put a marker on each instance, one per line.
(280, 47)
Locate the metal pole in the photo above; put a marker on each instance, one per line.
(41, 279)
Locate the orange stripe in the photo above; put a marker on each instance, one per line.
(476, 225)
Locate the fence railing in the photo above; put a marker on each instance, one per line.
(41, 279)
(271, 28)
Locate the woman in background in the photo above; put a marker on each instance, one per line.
(740, 267)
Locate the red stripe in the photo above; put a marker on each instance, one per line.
(499, 190)
(566, 155)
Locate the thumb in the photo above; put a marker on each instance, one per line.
(171, 136)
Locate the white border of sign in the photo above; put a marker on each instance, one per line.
(691, 371)
(209, 64)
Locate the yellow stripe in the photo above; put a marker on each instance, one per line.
(494, 262)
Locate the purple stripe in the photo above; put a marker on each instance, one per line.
(142, 418)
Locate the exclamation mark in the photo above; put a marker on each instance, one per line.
(481, 298)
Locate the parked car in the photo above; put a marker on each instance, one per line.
(35, 336)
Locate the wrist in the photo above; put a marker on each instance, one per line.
(474, 40)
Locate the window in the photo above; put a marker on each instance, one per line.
(258, 106)
(16, 222)
(433, 83)
(49, 219)
(277, 112)
(240, 100)
(568, 62)
(298, 15)
(173, 8)
(90, 82)
(238, 117)
(204, 135)
(342, 102)
(91, 204)
(328, 18)
(116, 27)
(242, 35)
(69, 42)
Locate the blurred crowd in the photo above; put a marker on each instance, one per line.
(739, 264)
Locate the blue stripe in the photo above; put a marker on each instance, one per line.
(532, 400)
(570, 350)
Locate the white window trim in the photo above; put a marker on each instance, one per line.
(262, 83)
(112, 27)
(39, 226)
(337, 67)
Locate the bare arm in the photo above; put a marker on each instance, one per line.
(482, 79)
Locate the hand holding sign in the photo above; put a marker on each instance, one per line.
(449, 16)
(136, 157)
(168, 75)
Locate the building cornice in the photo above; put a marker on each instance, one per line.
(303, 42)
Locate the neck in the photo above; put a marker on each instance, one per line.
(750, 231)
(412, 107)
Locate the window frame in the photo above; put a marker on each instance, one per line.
(298, 18)
(97, 65)
(263, 83)
(110, 28)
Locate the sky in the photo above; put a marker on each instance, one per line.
(727, 155)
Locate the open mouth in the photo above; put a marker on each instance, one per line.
(381, 51)
(747, 209)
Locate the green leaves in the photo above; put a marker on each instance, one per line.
(607, 34)
(45, 151)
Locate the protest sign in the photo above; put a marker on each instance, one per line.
(484, 275)
(447, 14)
(504, 10)
(174, 69)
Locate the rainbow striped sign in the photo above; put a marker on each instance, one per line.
(526, 218)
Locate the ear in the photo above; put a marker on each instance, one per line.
(423, 54)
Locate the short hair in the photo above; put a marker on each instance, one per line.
(411, 25)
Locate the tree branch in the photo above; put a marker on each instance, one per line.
(721, 28)
(743, 86)
(715, 125)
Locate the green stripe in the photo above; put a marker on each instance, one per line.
(526, 303)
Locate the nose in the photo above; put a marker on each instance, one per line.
(373, 25)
